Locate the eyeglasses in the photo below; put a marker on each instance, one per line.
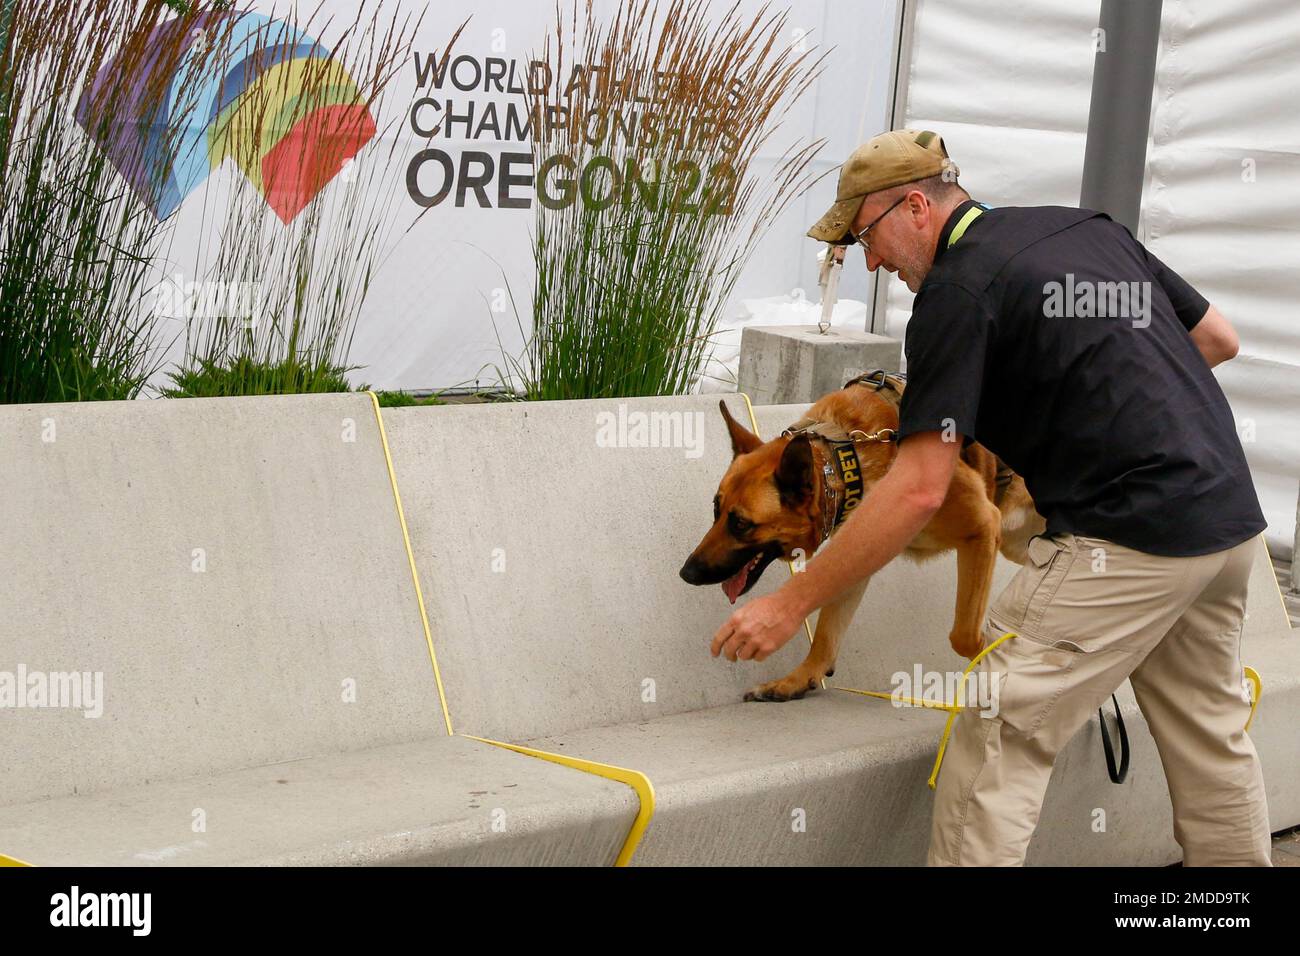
(859, 235)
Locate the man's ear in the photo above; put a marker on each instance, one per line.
(794, 475)
(742, 439)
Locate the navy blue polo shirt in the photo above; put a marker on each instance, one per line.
(1056, 340)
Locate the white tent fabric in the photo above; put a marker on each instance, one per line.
(1008, 83)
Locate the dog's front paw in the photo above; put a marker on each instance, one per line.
(791, 687)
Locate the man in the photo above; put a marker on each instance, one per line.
(1052, 337)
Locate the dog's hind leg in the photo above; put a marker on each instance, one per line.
(832, 622)
(976, 557)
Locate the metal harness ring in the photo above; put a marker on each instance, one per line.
(874, 436)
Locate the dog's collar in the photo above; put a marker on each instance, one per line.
(845, 458)
(841, 457)
(841, 450)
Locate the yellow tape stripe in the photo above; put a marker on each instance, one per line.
(952, 707)
(912, 701)
(12, 861)
(410, 557)
(1277, 587)
(638, 781)
(1252, 675)
(952, 714)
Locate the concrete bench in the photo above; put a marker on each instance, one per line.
(235, 571)
(548, 537)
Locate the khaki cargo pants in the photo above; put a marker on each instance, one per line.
(1090, 613)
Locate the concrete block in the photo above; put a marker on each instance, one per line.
(233, 568)
(796, 363)
(230, 578)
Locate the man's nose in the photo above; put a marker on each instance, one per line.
(873, 261)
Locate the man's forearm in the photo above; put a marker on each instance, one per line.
(877, 531)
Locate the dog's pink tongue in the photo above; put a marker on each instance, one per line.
(736, 583)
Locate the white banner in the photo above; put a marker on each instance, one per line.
(459, 213)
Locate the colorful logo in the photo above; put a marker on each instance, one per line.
(247, 88)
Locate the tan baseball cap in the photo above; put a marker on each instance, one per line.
(890, 159)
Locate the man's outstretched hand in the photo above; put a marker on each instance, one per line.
(757, 628)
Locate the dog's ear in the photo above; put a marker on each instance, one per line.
(794, 475)
(742, 439)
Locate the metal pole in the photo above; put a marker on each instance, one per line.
(1119, 116)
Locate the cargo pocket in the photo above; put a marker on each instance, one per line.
(1029, 677)
(1021, 604)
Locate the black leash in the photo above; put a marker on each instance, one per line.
(1116, 776)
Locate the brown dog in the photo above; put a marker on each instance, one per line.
(793, 491)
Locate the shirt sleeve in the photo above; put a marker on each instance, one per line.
(948, 341)
(1189, 305)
